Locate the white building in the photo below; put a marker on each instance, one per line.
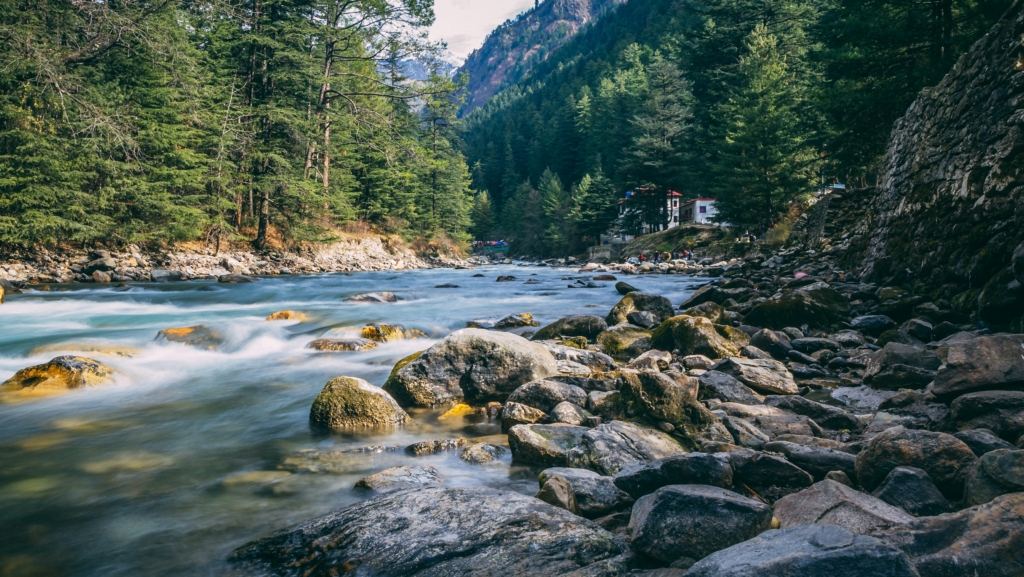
(698, 211)
(673, 200)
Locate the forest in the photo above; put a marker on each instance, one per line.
(255, 121)
(757, 103)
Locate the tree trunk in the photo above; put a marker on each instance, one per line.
(261, 234)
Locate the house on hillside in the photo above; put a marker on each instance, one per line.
(698, 211)
(672, 203)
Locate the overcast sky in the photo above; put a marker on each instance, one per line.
(464, 24)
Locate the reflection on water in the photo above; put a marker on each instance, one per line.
(191, 453)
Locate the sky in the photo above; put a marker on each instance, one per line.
(464, 24)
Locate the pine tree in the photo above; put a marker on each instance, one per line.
(482, 216)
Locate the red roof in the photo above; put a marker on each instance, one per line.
(696, 199)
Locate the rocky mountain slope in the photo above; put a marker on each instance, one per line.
(513, 48)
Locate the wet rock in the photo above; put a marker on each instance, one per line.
(761, 375)
(809, 345)
(638, 301)
(625, 288)
(546, 394)
(641, 479)
(982, 441)
(436, 446)
(919, 329)
(651, 361)
(569, 414)
(718, 385)
(595, 495)
(404, 477)
(899, 366)
(287, 316)
(982, 363)
(506, 322)
(235, 279)
(749, 352)
(745, 434)
(658, 399)
(159, 275)
(713, 312)
(349, 403)
(342, 345)
(816, 306)
(693, 336)
(1001, 412)
(696, 362)
(57, 376)
(912, 490)
(849, 339)
(643, 319)
(624, 340)
(806, 551)
(946, 459)
(831, 503)
(200, 336)
(480, 453)
(462, 531)
(997, 473)
(693, 521)
(544, 444)
(609, 447)
(388, 333)
(471, 364)
(861, 398)
(593, 360)
(588, 326)
(825, 415)
(763, 471)
(818, 461)
(377, 297)
(873, 324)
(776, 344)
(983, 540)
(557, 491)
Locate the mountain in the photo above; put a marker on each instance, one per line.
(511, 50)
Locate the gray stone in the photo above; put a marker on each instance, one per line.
(594, 360)
(568, 413)
(825, 415)
(810, 345)
(763, 470)
(404, 477)
(513, 414)
(946, 459)
(899, 366)
(596, 495)
(818, 461)
(544, 444)
(776, 344)
(349, 403)
(609, 447)
(435, 446)
(997, 473)
(982, 441)
(546, 394)
(657, 398)
(981, 364)
(691, 469)
(1001, 412)
(643, 319)
(588, 326)
(557, 491)
(638, 301)
(912, 490)
(480, 453)
(873, 324)
(831, 503)
(744, 433)
(718, 385)
(377, 297)
(761, 375)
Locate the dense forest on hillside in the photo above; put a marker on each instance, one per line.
(254, 120)
(755, 102)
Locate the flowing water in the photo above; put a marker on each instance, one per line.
(192, 452)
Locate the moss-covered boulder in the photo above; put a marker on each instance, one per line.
(658, 399)
(348, 403)
(342, 345)
(387, 333)
(714, 312)
(816, 306)
(624, 340)
(642, 302)
(586, 326)
(692, 336)
(200, 336)
(59, 375)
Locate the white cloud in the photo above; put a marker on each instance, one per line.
(464, 24)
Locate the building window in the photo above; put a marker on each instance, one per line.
(675, 203)
(703, 209)
(676, 217)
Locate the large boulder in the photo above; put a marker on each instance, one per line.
(1001, 412)
(609, 447)
(434, 531)
(726, 388)
(472, 364)
(547, 445)
(807, 551)
(546, 394)
(764, 471)
(588, 326)
(997, 473)
(57, 376)
(899, 366)
(762, 375)
(912, 490)
(984, 540)
(775, 343)
(641, 479)
(692, 336)
(816, 305)
(832, 503)
(693, 521)
(595, 495)
(638, 301)
(347, 403)
(624, 340)
(818, 461)
(658, 399)
(403, 477)
(714, 312)
(980, 364)
(982, 441)
(513, 414)
(825, 415)
(946, 459)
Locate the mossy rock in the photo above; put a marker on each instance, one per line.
(349, 403)
(405, 361)
(656, 398)
(815, 306)
(287, 316)
(733, 334)
(694, 336)
(716, 313)
(575, 342)
(200, 336)
(388, 333)
(624, 341)
(638, 301)
(59, 375)
(586, 326)
(342, 345)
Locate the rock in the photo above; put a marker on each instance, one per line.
(200, 336)
(816, 306)
(544, 444)
(658, 399)
(818, 461)
(557, 491)
(513, 414)
(506, 278)
(849, 339)
(103, 264)
(825, 415)
(388, 333)
(287, 316)
(404, 477)
(997, 473)
(831, 503)
(342, 345)
(651, 361)
(945, 458)
(546, 394)
(713, 312)
(569, 414)
(776, 344)
(100, 277)
(899, 366)
(696, 362)
(641, 479)
(873, 324)
(861, 398)
(763, 471)
(505, 322)
(692, 336)
(480, 453)
(912, 490)
(1001, 412)
(471, 364)
(982, 441)
(919, 329)
(839, 477)
(167, 275)
(625, 288)
(624, 340)
(693, 521)
(609, 447)
(377, 297)
(984, 540)
(235, 279)
(638, 301)
(461, 531)
(57, 376)
(436, 446)
(643, 319)
(809, 345)
(349, 403)
(593, 360)
(806, 551)
(745, 434)
(596, 495)
(980, 364)
(718, 385)
(761, 375)
(588, 326)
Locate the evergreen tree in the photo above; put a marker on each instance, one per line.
(595, 207)
(482, 217)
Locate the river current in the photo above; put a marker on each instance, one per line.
(191, 452)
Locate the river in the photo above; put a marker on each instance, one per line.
(191, 453)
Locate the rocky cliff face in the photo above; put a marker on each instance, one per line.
(949, 210)
(510, 51)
